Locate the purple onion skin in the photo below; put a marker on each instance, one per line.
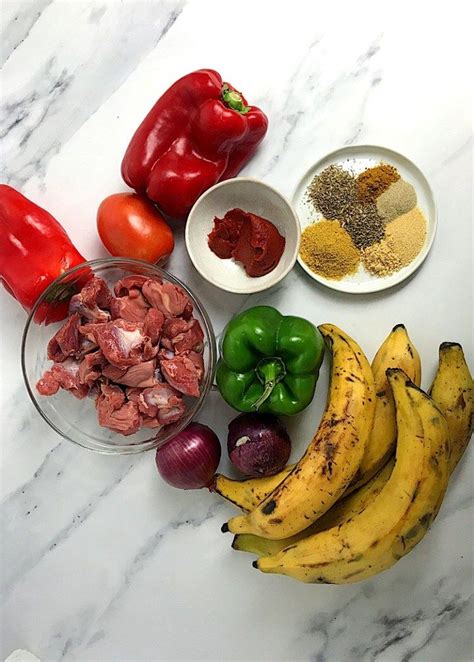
(190, 459)
(258, 444)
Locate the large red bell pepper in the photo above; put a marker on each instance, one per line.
(198, 133)
(34, 250)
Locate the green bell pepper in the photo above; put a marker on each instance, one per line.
(269, 363)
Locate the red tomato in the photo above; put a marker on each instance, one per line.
(130, 226)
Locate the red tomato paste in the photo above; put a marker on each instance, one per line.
(249, 239)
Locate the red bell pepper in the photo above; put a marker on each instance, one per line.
(34, 250)
(198, 133)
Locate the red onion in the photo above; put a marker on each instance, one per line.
(190, 459)
(258, 444)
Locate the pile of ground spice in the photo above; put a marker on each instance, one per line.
(373, 219)
(332, 191)
(398, 199)
(363, 224)
(328, 250)
(374, 181)
(407, 234)
(404, 239)
(380, 258)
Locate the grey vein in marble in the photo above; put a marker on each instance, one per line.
(27, 501)
(19, 26)
(48, 103)
(82, 635)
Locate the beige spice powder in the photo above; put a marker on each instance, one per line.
(398, 199)
(407, 234)
(380, 258)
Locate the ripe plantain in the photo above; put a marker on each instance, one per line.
(333, 456)
(397, 351)
(434, 477)
(247, 494)
(343, 510)
(363, 545)
(452, 390)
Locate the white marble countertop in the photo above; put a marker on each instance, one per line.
(100, 559)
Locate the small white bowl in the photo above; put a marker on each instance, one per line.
(254, 196)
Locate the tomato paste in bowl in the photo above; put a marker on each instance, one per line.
(248, 238)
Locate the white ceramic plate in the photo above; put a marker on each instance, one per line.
(253, 196)
(357, 158)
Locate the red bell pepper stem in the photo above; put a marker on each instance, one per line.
(234, 100)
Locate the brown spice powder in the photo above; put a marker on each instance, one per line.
(374, 181)
(328, 250)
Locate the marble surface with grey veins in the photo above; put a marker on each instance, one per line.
(101, 560)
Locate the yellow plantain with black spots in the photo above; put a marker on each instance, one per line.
(397, 351)
(343, 510)
(452, 390)
(333, 457)
(247, 494)
(392, 524)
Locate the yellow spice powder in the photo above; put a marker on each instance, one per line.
(328, 250)
(407, 234)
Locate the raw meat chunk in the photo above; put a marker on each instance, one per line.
(140, 375)
(90, 368)
(132, 307)
(170, 299)
(153, 324)
(121, 342)
(62, 375)
(182, 374)
(124, 285)
(65, 342)
(116, 414)
(182, 335)
(92, 300)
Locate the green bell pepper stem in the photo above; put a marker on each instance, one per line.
(270, 371)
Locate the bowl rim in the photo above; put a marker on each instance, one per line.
(293, 214)
(148, 444)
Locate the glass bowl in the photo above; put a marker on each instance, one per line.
(75, 419)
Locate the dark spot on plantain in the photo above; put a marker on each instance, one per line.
(356, 558)
(412, 532)
(320, 580)
(287, 549)
(269, 507)
(381, 394)
(461, 403)
(434, 462)
(410, 351)
(415, 493)
(275, 520)
(426, 519)
(353, 574)
(329, 450)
